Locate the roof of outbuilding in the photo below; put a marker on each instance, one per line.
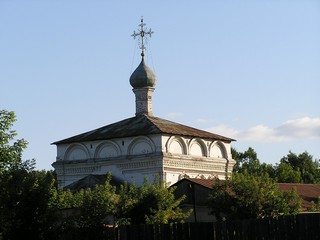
(142, 125)
(91, 181)
(208, 183)
(308, 193)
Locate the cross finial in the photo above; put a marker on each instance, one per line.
(142, 34)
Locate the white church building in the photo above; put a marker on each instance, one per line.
(143, 146)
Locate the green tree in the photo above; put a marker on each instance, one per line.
(129, 197)
(98, 204)
(315, 207)
(149, 203)
(90, 206)
(25, 193)
(10, 148)
(165, 207)
(248, 162)
(286, 174)
(129, 204)
(249, 196)
(304, 163)
(24, 197)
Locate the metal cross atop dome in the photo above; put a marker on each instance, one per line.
(142, 33)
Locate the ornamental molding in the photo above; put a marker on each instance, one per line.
(194, 165)
(200, 175)
(140, 164)
(66, 170)
(183, 157)
(145, 172)
(134, 165)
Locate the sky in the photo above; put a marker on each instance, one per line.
(248, 70)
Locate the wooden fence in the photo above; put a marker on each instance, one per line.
(303, 226)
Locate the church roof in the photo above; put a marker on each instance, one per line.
(142, 125)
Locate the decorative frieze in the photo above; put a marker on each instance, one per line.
(192, 164)
(140, 164)
(76, 170)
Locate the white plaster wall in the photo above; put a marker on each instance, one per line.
(107, 149)
(228, 148)
(196, 147)
(173, 177)
(176, 147)
(201, 158)
(127, 158)
(117, 156)
(196, 150)
(177, 168)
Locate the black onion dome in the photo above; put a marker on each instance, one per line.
(143, 76)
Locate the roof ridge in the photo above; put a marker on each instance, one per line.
(186, 126)
(155, 124)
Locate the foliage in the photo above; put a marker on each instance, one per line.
(129, 197)
(96, 204)
(89, 206)
(248, 162)
(286, 174)
(24, 192)
(24, 197)
(249, 196)
(303, 163)
(292, 168)
(10, 149)
(31, 205)
(165, 207)
(150, 203)
(315, 207)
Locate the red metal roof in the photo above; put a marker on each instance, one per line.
(208, 183)
(306, 192)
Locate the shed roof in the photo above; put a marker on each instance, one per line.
(306, 192)
(142, 125)
(91, 181)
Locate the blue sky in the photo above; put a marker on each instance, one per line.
(248, 70)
